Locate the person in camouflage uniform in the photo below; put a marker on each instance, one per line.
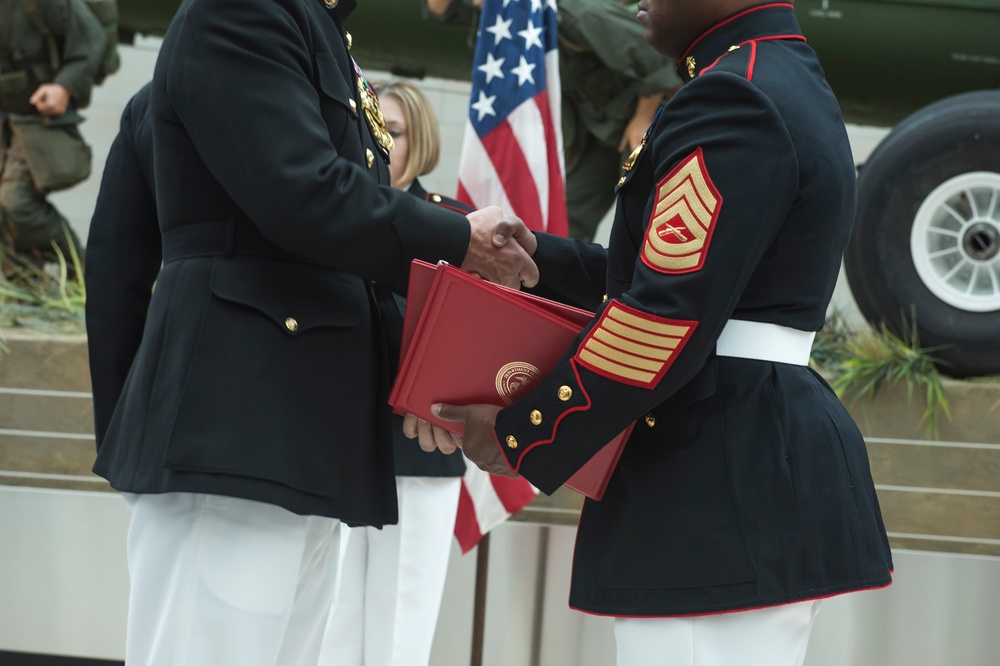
(50, 54)
(613, 82)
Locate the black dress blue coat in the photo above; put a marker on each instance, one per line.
(745, 482)
(264, 367)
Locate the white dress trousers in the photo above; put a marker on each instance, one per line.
(392, 580)
(775, 636)
(220, 581)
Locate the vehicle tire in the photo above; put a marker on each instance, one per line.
(926, 241)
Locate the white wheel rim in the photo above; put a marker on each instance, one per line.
(955, 241)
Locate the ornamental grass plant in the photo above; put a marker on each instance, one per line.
(48, 297)
(860, 363)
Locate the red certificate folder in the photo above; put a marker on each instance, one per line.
(469, 341)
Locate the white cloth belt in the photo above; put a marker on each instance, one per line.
(765, 342)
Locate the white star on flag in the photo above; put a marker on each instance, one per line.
(500, 30)
(492, 68)
(485, 105)
(531, 36)
(523, 71)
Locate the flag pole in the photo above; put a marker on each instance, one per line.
(479, 605)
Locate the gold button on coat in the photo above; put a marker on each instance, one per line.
(650, 420)
(291, 324)
(353, 105)
(436, 198)
(350, 40)
(369, 157)
(536, 417)
(511, 441)
(331, 3)
(565, 393)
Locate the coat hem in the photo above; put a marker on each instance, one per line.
(733, 606)
(258, 490)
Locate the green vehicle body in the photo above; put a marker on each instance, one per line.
(888, 58)
(883, 58)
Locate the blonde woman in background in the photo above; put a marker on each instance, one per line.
(393, 578)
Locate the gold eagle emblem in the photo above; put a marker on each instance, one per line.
(515, 379)
(691, 66)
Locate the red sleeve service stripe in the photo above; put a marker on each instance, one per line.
(632, 346)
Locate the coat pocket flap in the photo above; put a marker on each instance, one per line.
(331, 79)
(295, 297)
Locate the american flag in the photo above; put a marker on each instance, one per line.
(511, 157)
(512, 151)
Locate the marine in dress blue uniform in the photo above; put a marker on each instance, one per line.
(254, 417)
(409, 459)
(745, 483)
(392, 579)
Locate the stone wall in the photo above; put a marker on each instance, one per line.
(938, 494)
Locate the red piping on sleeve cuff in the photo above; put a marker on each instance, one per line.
(555, 426)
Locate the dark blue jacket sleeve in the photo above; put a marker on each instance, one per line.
(123, 259)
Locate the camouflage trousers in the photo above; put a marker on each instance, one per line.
(592, 171)
(29, 224)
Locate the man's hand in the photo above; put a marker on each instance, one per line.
(440, 7)
(645, 111)
(519, 232)
(479, 443)
(51, 99)
(490, 256)
(429, 436)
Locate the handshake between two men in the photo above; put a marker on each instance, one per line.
(492, 257)
(500, 250)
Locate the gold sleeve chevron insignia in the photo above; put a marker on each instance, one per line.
(683, 219)
(632, 346)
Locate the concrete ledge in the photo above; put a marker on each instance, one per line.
(940, 494)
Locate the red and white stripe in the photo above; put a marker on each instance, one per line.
(485, 502)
